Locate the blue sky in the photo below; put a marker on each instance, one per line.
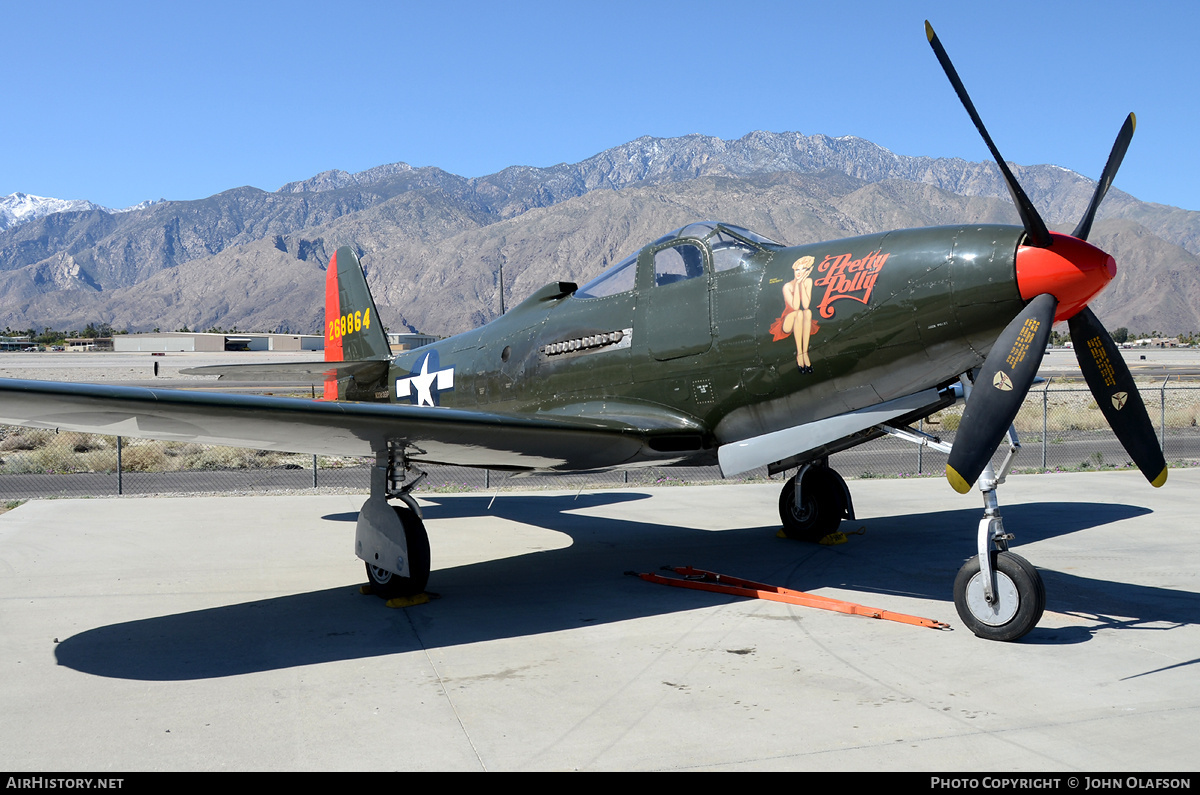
(118, 102)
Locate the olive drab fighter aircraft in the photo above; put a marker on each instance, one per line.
(711, 343)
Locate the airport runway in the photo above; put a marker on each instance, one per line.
(228, 634)
(1144, 363)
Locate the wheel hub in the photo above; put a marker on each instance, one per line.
(1006, 604)
(804, 513)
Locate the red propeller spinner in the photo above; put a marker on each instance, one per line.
(1072, 270)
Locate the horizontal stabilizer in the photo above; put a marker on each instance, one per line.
(294, 372)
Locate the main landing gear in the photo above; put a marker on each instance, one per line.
(813, 502)
(391, 539)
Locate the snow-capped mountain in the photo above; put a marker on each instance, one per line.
(18, 208)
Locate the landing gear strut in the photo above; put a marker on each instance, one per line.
(813, 502)
(391, 539)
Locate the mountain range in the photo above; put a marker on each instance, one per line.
(433, 242)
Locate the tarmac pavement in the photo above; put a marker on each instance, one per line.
(228, 633)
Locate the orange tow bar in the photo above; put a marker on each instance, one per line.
(722, 583)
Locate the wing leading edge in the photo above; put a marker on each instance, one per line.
(431, 435)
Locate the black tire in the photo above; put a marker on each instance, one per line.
(824, 504)
(388, 585)
(1022, 597)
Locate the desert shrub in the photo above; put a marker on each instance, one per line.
(54, 458)
(25, 438)
(183, 450)
(103, 460)
(231, 458)
(142, 457)
(84, 442)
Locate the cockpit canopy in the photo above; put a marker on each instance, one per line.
(682, 256)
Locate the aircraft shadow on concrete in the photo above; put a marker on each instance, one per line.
(583, 584)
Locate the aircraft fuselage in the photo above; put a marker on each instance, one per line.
(712, 359)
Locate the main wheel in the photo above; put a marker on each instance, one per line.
(822, 505)
(389, 585)
(1022, 597)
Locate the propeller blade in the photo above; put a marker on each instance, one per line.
(1112, 385)
(999, 391)
(1033, 223)
(1120, 146)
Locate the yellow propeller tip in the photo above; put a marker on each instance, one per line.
(956, 480)
(929, 34)
(1161, 479)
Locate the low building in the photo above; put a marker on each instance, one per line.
(15, 343)
(204, 342)
(406, 342)
(89, 344)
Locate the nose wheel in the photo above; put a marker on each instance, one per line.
(1017, 601)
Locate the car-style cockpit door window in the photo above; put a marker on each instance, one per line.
(678, 263)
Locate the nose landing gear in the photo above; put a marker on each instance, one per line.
(998, 594)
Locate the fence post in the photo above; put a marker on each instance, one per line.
(314, 467)
(120, 485)
(1162, 416)
(920, 447)
(1045, 402)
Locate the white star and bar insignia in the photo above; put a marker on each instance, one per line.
(426, 383)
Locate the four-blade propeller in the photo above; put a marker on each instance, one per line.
(1013, 362)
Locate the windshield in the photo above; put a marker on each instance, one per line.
(617, 279)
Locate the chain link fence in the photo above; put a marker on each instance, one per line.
(1060, 428)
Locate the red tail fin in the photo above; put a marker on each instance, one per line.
(353, 331)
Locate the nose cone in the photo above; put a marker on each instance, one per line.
(1072, 270)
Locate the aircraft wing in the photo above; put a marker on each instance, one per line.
(429, 434)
